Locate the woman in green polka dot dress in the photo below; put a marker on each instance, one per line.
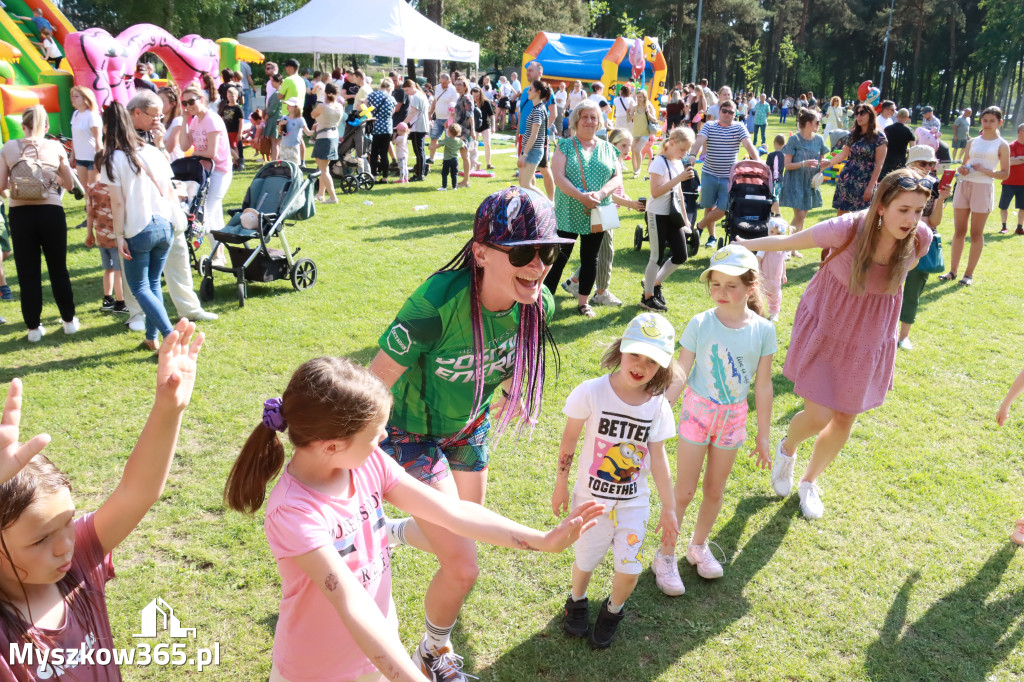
(586, 172)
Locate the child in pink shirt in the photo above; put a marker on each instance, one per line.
(326, 527)
(773, 270)
(49, 557)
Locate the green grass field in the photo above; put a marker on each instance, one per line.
(910, 575)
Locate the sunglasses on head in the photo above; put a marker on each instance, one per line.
(518, 256)
(907, 182)
(189, 102)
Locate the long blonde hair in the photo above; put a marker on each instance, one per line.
(34, 120)
(648, 107)
(869, 233)
(87, 96)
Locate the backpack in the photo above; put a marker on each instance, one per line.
(31, 180)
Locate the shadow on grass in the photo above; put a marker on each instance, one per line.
(413, 227)
(135, 352)
(671, 628)
(963, 636)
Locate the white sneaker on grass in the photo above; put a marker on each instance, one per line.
(35, 335)
(571, 287)
(708, 567)
(606, 298)
(782, 471)
(810, 500)
(666, 574)
(73, 326)
(905, 344)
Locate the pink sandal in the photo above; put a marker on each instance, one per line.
(1018, 535)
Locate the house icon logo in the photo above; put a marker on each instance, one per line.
(158, 614)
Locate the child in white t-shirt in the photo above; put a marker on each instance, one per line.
(627, 420)
(402, 151)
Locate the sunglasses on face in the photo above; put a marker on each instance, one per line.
(518, 256)
(862, 112)
(910, 183)
(188, 102)
(727, 111)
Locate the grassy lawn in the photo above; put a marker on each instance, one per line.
(909, 576)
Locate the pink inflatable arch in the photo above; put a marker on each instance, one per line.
(101, 62)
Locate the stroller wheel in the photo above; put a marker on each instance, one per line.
(242, 293)
(206, 289)
(303, 274)
(349, 185)
(366, 181)
(204, 267)
(638, 238)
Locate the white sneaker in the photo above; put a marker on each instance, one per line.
(773, 318)
(810, 500)
(706, 563)
(73, 326)
(782, 471)
(571, 287)
(136, 323)
(666, 574)
(34, 335)
(905, 344)
(443, 189)
(605, 298)
(202, 316)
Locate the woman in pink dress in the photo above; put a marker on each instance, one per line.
(842, 351)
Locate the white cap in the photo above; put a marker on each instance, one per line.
(650, 335)
(732, 260)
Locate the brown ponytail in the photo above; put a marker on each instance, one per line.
(755, 301)
(326, 399)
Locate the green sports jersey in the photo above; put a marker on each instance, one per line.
(433, 337)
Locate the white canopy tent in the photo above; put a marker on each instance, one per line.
(384, 28)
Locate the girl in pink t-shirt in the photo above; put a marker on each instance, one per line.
(205, 131)
(53, 567)
(1004, 411)
(326, 527)
(842, 351)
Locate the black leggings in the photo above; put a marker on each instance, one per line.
(41, 231)
(590, 244)
(416, 140)
(668, 237)
(379, 154)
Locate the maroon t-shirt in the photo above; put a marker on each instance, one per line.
(92, 570)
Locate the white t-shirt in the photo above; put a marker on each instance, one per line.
(615, 459)
(882, 122)
(82, 141)
(665, 168)
(597, 98)
(575, 97)
(516, 85)
(50, 48)
(173, 130)
(143, 199)
(560, 98)
(444, 99)
(318, 90)
(622, 106)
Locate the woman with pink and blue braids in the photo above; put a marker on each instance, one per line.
(476, 325)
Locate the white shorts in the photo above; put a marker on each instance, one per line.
(291, 154)
(624, 530)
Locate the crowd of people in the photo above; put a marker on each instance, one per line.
(467, 352)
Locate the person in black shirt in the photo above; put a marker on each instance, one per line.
(231, 112)
(900, 138)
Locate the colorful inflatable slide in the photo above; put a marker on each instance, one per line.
(568, 58)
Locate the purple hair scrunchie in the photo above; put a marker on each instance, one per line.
(272, 417)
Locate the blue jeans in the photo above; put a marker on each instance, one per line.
(759, 127)
(247, 96)
(149, 253)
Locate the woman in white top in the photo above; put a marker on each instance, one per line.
(834, 116)
(561, 101)
(975, 192)
(575, 96)
(86, 139)
(172, 121)
(138, 176)
(622, 106)
(328, 117)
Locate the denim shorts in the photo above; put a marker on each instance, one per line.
(714, 191)
(534, 156)
(87, 165)
(437, 127)
(109, 259)
(325, 148)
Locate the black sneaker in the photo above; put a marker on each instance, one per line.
(1019, 231)
(658, 295)
(652, 303)
(120, 307)
(108, 304)
(605, 626)
(576, 619)
(441, 666)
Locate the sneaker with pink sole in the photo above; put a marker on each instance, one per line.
(706, 563)
(666, 574)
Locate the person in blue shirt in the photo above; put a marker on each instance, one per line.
(534, 71)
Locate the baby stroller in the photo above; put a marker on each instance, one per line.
(278, 193)
(194, 173)
(750, 201)
(353, 167)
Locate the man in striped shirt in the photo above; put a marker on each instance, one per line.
(721, 141)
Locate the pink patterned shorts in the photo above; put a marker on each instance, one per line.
(703, 422)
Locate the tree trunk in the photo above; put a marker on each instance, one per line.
(947, 103)
(410, 68)
(434, 10)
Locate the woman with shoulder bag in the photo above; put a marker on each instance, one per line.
(142, 225)
(586, 174)
(35, 170)
(666, 218)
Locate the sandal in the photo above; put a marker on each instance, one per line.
(966, 281)
(585, 310)
(948, 277)
(1018, 534)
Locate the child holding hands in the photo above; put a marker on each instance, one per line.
(1004, 411)
(627, 421)
(725, 352)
